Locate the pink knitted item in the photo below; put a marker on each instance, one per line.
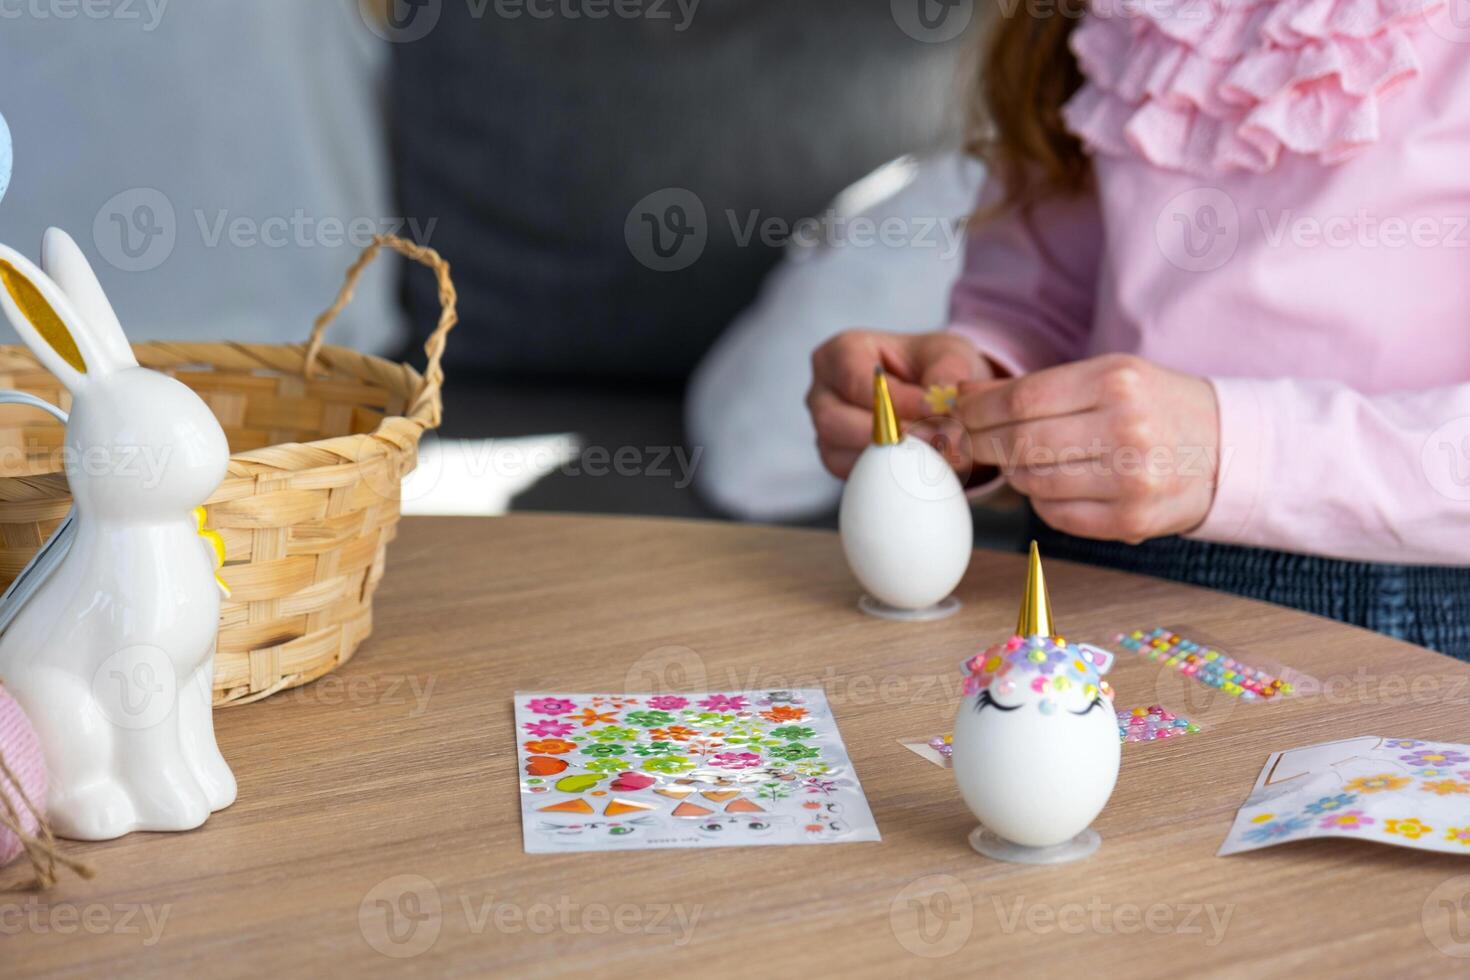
(22, 752)
(1214, 86)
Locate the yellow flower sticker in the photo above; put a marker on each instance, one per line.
(1377, 784)
(1444, 787)
(942, 398)
(1412, 828)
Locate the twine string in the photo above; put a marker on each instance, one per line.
(40, 849)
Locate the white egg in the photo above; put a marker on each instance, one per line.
(905, 525)
(1035, 767)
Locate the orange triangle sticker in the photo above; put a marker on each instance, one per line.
(619, 807)
(720, 795)
(743, 806)
(691, 810)
(570, 806)
(677, 793)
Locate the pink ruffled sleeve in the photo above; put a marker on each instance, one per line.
(1027, 291)
(1319, 468)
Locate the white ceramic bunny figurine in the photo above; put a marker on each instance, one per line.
(112, 657)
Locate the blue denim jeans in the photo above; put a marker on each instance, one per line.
(1422, 604)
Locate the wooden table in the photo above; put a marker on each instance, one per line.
(395, 780)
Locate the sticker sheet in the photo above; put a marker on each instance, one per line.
(615, 772)
(1210, 666)
(1405, 791)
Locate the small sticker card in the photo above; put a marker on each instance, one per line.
(936, 750)
(617, 772)
(1405, 791)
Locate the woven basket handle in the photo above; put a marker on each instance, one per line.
(431, 392)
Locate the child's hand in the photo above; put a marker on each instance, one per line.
(1113, 447)
(841, 396)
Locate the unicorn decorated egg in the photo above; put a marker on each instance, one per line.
(1036, 746)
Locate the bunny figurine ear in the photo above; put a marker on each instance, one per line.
(51, 327)
(63, 261)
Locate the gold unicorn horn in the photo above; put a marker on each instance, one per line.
(1035, 619)
(885, 420)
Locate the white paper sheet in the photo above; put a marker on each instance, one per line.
(605, 772)
(1403, 791)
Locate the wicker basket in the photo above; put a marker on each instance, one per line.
(321, 439)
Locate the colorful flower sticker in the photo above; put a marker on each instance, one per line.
(1330, 803)
(744, 730)
(676, 733)
(794, 733)
(701, 746)
(607, 765)
(783, 712)
(1348, 820)
(668, 764)
(1435, 757)
(1403, 743)
(604, 750)
(1459, 835)
(588, 717)
(551, 706)
(658, 748)
(1445, 787)
(550, 746)
(724, 702)
(1412, 828)
(648, 719)
(1382, 783)
(1277, 829)
(736, 760)
(668, 702)
(614, 733)
(793, 751)
(543, 729)
(705, 719)
(942, 399)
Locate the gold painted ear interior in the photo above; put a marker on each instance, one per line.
(41, 316)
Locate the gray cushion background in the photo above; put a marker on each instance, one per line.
(531, 140)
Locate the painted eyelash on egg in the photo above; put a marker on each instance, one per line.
(985, 700)
(1096, 703)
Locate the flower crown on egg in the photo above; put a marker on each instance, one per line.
(1049, 663)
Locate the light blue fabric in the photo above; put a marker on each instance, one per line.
(246, 131)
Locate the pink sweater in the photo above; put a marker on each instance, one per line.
(1283, 207)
